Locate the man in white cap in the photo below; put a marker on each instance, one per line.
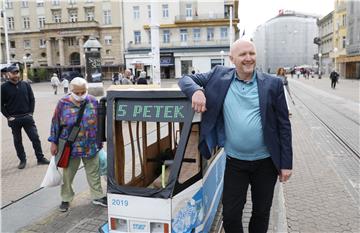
(17, 105)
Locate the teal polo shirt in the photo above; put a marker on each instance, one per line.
(244, 138)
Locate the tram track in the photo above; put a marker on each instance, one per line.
(342, 141)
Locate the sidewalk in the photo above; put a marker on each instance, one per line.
(321, 196)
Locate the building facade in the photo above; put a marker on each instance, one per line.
(325, 26)
(51, 34)
(352, 61)
(286, 41)
(339, 37)
(194, 35)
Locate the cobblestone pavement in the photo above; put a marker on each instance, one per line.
(323, 193)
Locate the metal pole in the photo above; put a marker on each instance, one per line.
(25, 77)
(231, 27)
(6, 35)
(155, 47)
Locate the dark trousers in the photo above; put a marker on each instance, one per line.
(239, 174)
(333, 83)
(26, 122)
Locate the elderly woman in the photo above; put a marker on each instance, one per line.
(85, 146)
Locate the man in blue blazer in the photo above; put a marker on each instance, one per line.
(245, 112)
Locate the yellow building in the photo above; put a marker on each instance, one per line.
(339, 36)
(51, 34)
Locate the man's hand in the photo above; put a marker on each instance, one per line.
(285, 175)
(53, 149)
(199, 101)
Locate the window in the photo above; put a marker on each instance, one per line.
(41, 21)
(344, 20)
(26, 22)
(43, 54)
(8, 4)
(137, 37)
(165, 10)
(42, 43)
(72, 2)
(344, 42)
(210, 34)
(55, 2)
(107, 51)
(89, 14)
(188, 10)
(72, 16)
(224, 33)
(24, 3)
(11, 23)
(107, 17)
(185, 67)
(56, 16)
(149, 37)
(108, 40)
(196, 34)
(12, 44)
(149, 11)
(166, 36)
(72, 41)
(13, 56)
(136, 12)
(39, 3)
(183, 35)
(27, 44)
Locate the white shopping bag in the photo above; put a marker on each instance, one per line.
(53, 176)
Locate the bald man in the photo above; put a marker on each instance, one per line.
(244, 111)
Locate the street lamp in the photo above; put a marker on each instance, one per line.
(25, 77)
(319, 70)
(222, 57)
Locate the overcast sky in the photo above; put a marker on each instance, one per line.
(256, 12)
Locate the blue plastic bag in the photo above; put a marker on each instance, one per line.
(102, 162)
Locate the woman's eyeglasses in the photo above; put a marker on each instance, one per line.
(14, 72)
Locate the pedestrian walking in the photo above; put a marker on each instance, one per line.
(280, 73)
(244, 111)
(85, 146)
(55, 82)
(142, 78)
(65, 84)
(18, 105)
(127, 78)
(334, 76)
(115, 79)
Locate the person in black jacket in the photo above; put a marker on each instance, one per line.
(334, 76)
(17, 105)
(142, 78)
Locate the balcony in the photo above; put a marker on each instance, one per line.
(70, 25)
(200, 18)
(190, 44)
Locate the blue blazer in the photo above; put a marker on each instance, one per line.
(273, 111)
